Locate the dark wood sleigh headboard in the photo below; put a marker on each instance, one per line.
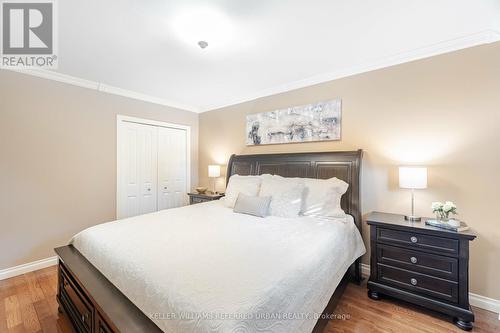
(345, 165)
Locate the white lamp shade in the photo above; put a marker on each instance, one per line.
(214, 171)
(413, 177)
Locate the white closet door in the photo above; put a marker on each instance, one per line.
(172, 167)
(139, 147)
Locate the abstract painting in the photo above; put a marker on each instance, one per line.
(313, 122)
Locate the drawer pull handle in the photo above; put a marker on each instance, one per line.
(413, 281)
(413, 260)
(413, 239)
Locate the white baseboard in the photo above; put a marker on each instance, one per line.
(26, 268)
(479, 301)
(485, 303)
(365, 270)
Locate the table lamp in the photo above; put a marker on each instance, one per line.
(213, 172)
(413, 178)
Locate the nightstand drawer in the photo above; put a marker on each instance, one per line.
(439, 245)
(420, 264)
(420, 283)
(195, 200)
(430, 264)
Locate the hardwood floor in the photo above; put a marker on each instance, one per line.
(28, 304)
(390, 315)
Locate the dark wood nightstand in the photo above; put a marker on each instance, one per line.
(421, 264)
(195, 198)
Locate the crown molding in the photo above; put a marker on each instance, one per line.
(146, 98)
(59, 77)
(476, 39)
(79, 82)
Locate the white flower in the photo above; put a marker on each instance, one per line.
(449, 206)
(437, 205)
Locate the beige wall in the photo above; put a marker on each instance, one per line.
(58, 161)
(58, 148)
(442, 112)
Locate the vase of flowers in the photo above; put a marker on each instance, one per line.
(444, 210)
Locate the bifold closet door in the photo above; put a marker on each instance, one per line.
(172, 167)
(139, 169)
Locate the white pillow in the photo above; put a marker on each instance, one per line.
(286, 195)
(322, 197)
(248, 185)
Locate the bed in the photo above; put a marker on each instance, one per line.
(190, 269)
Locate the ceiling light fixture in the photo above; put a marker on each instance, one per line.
(197, 25)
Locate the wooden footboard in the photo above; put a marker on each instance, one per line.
(94, 305)
(91, 302)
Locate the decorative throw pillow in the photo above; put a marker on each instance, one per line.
(322, 197)
(248, 185)
(286, 195)
(251, 205)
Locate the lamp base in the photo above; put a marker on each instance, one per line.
(413, 218)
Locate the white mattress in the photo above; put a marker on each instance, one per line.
(203, 268)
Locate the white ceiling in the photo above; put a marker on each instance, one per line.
(266, 46)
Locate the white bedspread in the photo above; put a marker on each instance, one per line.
(203, 268)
